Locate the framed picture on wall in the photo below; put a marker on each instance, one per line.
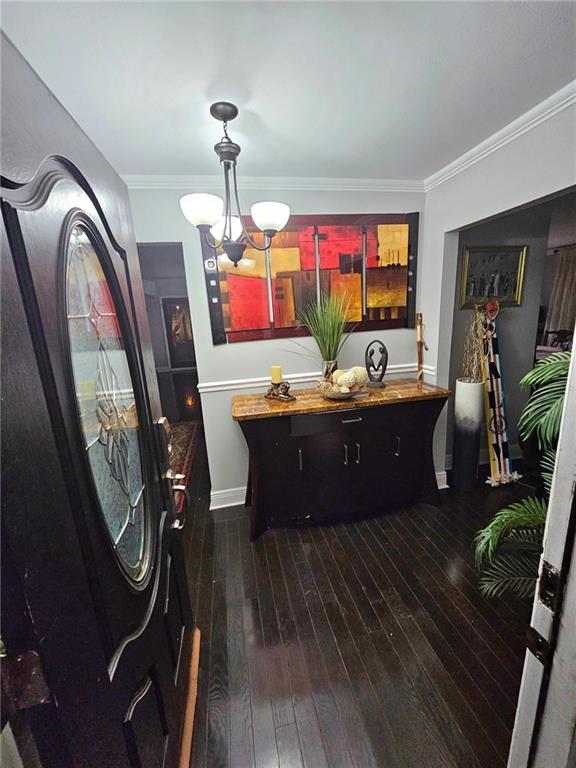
(492, 272)
(179, 332)
(368, 260)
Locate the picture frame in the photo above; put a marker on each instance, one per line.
(368, 259)
(492, 272)
(179, 337)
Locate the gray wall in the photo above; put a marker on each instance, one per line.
(517, 325)
(494, 177)
(230, 369)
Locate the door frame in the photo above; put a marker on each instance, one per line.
(546, 713)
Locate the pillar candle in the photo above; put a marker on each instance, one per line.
(276, 374)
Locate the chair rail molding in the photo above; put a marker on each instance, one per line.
(298, 378)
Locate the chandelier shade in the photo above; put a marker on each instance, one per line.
(270, 217)
(219, 229)
(202, 209)
(213, 216)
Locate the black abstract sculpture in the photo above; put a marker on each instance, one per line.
(375, 370)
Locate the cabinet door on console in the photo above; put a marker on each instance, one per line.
(327, 476)
(389, 457)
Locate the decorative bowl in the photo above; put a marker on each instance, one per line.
(331, 391)
(344, 395)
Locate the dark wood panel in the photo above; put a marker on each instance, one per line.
(316, 461)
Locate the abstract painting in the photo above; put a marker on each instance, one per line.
(368, 260)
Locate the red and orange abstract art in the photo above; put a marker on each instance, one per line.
(369, 260)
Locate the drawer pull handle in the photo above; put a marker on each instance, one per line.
(345, 455)
(300, 464)
(397, 451)
(357, 453)
(351, 421)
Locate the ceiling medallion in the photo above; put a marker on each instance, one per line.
(213, 216)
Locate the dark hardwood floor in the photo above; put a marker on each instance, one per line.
(360, 645)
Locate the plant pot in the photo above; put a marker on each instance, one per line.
(328, 368)
(468, 417)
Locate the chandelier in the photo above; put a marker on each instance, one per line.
(214, 217)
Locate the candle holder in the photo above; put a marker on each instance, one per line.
(280, 391)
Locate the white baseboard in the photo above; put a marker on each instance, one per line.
(515, 453)
(231, 497)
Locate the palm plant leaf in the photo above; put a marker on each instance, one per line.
(551, 368)
(543, 412)
(510, 573)
(522, 540)
(327, 320)
(511, 544)
(547, 464)
(528, 513)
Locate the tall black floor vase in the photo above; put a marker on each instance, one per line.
(468, 402)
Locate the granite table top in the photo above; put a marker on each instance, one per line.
(246, 407)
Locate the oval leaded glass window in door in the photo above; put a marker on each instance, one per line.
(106, 404)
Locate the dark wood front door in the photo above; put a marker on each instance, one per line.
(96, 583)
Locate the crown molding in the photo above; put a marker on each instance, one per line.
(553, 105)
(271, 184)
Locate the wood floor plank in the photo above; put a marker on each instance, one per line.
(459, 635)
(359, 743)
(354, 585)
(418, 740)
(449, 547)
(334, 741)
(241, 732)
(513, 613)
(264, 729)
(312, 748)
(272, 656)
(422, 670)
(360, 645)
(289, 747)
(218, 691)
(502, 663)
(459, 686)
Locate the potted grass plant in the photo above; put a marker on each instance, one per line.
(508, 549)
(468, 401)
(327, 320)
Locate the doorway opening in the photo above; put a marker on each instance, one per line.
(172, 336)
(171, 331)
(536, 320)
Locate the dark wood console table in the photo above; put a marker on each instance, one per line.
(314, 460)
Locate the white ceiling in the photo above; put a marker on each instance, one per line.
(330, 89)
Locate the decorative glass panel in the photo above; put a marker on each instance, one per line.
(106, 403)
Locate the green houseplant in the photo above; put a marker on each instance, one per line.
(508, 549)
(326, 321)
